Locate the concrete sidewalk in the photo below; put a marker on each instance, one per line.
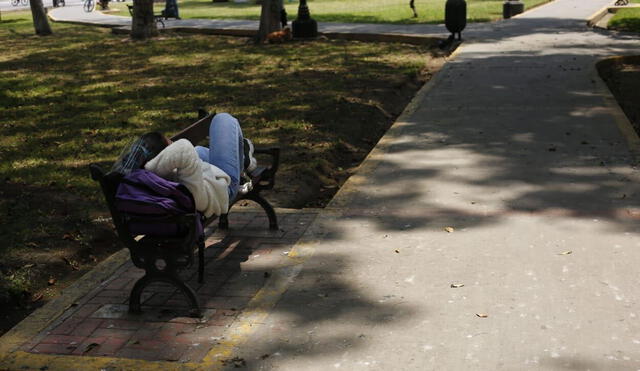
(493, 227)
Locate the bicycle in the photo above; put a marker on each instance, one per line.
(16, 2)
(89, 5)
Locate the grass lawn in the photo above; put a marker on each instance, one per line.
(356, 11)
(626, 20)
(78, 96)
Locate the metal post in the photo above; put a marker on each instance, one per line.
(304, 26)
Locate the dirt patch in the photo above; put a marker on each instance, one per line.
(35, 273)
(622, 75)
(314, 168)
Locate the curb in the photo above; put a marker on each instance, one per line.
(597, 16)
(42, 317)
(607, 11)
(82, 23)
(365, 37)
(371, 161)
(399, 38)
(622, 121)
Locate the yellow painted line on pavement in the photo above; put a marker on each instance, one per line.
(259, 307)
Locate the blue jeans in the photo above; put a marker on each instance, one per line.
(226, 149)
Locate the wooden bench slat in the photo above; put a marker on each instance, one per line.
(195, 132)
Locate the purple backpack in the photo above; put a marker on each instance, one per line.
(143, 193)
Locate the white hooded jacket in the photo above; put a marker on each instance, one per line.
(207, 183)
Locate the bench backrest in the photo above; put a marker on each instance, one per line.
(198, 131)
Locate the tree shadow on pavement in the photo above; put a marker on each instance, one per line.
(505, 132)
(323, 314)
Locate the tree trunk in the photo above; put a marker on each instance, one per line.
(40, 20)
(269, 19)
(143, 25)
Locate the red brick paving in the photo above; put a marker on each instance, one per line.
(236, 263)
(53, 348)
(86, 327)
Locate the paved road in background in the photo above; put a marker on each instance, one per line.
(6, 5)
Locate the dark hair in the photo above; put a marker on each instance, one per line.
(154, 142)
(136, 155)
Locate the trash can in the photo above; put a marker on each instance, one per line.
(455, 16)
(170, 9)
(511, 8)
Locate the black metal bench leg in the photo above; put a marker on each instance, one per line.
(266, 206)
(136, 292)
(138, 288)
(223, 221)
(201, 260)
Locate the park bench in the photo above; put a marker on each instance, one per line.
(163, 257)
(158, 17)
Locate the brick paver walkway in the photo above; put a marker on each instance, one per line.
(238, 262)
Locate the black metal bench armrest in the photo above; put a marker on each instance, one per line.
(264, 177)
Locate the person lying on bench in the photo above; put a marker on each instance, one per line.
(212, 174)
